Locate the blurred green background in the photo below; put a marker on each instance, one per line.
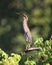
(11, 29)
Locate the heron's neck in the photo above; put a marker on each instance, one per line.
(25, 25)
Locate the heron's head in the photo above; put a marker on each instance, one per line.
(25, 16)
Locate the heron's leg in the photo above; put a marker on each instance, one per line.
(27, 45)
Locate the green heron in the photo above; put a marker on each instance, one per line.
(27, 32)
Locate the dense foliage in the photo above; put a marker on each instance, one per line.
(5, 59)
(41, 57)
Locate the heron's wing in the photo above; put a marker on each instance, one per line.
(28, 37)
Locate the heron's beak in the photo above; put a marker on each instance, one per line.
(22, 14)
(18, 13)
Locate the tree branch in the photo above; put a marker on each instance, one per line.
(32, 49)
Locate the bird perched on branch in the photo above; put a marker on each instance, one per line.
(27, 32)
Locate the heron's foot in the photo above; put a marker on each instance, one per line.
(27, 47)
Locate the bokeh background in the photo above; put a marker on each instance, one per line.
(11, 29)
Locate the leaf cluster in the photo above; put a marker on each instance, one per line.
(42, 57)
